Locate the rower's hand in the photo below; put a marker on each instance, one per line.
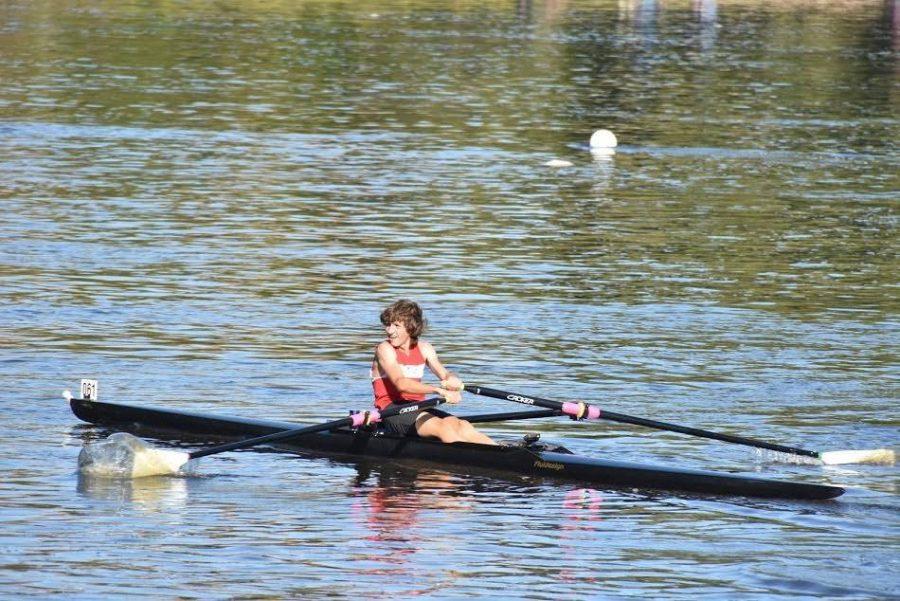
(451, 396)
(452, 383)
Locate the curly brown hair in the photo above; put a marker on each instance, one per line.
(409, 314)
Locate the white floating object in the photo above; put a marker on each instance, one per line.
(558, 163)
(125, 456)
(868, 456)
(603, 138)
(602, 154)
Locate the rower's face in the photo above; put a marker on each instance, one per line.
(396, 334)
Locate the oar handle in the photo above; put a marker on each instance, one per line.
(586, 411)
(356, 420)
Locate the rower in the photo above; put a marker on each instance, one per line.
(397, 371)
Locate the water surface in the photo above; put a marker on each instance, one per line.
(206, 205)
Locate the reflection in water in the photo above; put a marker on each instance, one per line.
(400, 507)
(406, 512)
(605, 164)
(707, 12)
(893, 19)
(552, 10)
(153, 495)
(582, 508)
(206, 197)
(642, 14)
(585, 502)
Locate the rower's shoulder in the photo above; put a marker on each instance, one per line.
(425, 348)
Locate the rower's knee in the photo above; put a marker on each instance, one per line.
(465, 428)
(456, 430)
(452, 428)
(449, 429)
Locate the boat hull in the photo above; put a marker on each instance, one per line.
(534, 461)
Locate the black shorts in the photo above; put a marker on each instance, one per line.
(405, 423)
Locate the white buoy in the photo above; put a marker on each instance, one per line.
(557, 163)
(603, 138)
(602, 155)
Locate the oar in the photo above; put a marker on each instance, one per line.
(512, 415)
(126, 455)
(581, 410)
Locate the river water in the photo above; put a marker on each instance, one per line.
(206, 205)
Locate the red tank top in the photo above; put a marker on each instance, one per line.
(413, 366)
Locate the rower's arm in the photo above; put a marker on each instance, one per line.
(448, 379)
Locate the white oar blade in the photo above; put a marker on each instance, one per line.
(157, 462)
(865, 456)
(126, 456)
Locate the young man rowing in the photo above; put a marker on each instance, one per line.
(397, 372)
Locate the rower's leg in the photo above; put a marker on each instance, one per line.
(451, 429)
(471, 434)
(437, 427)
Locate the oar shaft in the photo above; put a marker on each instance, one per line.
(512, 415)
(597, 413)
(353, 420)
(275, 436)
